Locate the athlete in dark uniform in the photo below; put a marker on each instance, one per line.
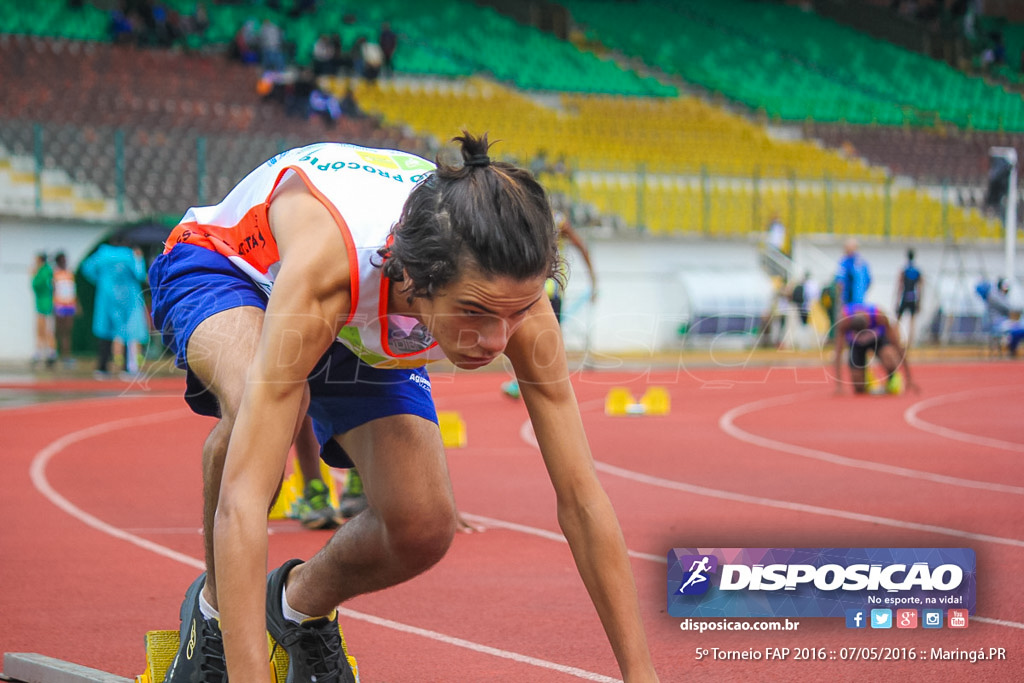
(870, 334)
(908, 294)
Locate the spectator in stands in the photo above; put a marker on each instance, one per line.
(271, 46)
(121, 28)
(42, 289)
(65, 306)
(356, 53)
(388, 41)
(166, 26)
(871, 335)
(908, 294)
(350, 106)
(325, 59)
(1004, 316)
(325, 104)
(853, 277)
(371, 60)
(275, 86)
(804, 295)
(119, 313)
(245, 44)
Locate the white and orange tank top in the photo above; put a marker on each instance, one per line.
(365, 190)
(65, 296)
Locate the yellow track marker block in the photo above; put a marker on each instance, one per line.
(294, 485)
(162, 646)
(620, 401)
(453, 428)
(291, 490)
(656, 401)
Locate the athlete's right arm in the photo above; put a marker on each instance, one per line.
(311, 296)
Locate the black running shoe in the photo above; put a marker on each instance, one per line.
(316, 653)
(200, 657)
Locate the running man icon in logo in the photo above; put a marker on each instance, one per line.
(696, 581)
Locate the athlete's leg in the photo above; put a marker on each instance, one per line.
(407, 528)
(858, 377)
(220, 351)
(890, 359)
(314, 509)
(858, 364)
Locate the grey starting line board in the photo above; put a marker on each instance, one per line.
(34, 668)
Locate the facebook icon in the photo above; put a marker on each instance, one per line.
(856, 618)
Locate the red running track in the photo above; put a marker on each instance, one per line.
(100, 509)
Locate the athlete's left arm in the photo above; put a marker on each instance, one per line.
(585, 513)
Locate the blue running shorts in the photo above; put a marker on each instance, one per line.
(190, 283)
(345, 392)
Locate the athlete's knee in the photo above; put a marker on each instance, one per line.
(420, 535)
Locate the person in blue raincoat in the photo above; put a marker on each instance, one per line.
(119, 313)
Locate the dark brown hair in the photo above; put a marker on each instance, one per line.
(486, 214)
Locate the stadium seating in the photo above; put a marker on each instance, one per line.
(163, 129)
(136, 123)
(795, 65)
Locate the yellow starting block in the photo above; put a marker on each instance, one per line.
(656, 401)
(161, 646)
(879, 384)
(620, 401)
(453, 428)
(294, 486)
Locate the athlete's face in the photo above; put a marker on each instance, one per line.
(473, 318)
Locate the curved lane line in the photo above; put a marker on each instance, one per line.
(38, 475)
(912, 418)
(800, 507)
(37, 472)
(727, 424)
(527, 435)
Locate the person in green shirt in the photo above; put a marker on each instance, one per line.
(42, 288)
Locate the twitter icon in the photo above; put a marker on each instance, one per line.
(881, 618)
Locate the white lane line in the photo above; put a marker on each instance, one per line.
(800, 507)
(476, 647)
(912, 417)
(728, 425)
(998, 622)
(527, 435)
(491, 522)
(38, 476)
